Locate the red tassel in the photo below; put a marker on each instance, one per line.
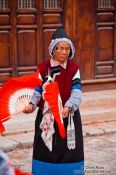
(51, 96)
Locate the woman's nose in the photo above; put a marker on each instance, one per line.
(64, 51)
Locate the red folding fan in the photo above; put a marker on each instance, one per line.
(15, 95)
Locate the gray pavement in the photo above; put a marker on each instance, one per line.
(100, 155)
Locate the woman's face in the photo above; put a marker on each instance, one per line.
(61, 52)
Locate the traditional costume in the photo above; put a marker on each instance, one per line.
(58, 143)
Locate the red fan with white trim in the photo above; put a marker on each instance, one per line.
(15, 95)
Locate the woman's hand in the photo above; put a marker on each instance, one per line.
(28, 109)
(65, 111)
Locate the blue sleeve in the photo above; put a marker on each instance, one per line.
(37, 94)
(76, 92)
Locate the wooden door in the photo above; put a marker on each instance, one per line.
(105, 41)
(26, 27)
(18, 38)
(92, 26)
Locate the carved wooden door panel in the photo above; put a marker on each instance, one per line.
(105, 51)
(18, 38)
(5, 41)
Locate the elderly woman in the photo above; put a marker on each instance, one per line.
(62, 155)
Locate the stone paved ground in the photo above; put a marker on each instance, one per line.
(100, 155)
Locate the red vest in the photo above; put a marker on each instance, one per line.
(64, 79)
